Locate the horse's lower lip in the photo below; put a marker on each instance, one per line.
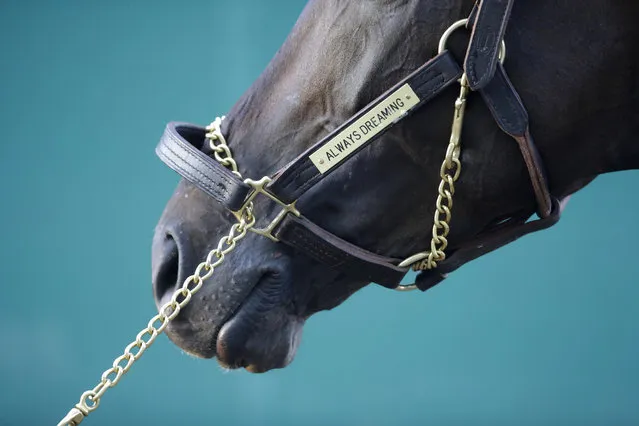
(235, 361)
(229, 347)
(255, 350)
(220, 336)
(253, 368)
(183, 332)
(261, 335)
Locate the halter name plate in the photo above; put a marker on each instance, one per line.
(366, 127)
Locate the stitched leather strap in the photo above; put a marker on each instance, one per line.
(472, 16)
(179, 149)
(487, 242)
(505, 104)
(488, 32)
(509, 112)
(305, 236)
(427, 82)
(488, 21)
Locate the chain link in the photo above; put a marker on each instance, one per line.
(90, 399)
(221, 150)
(449, 173)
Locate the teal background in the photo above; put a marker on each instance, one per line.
(545, 332)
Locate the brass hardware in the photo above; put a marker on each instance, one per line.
(449, 173)
(462, 23)
(259, 188)
(73, 418)
(386, 112)
(221, 150)
(405, 287)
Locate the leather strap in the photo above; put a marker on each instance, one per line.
(489, 28)
(305, 236)
(488, 20)
(505, 104)
(179, 149)
(472, 16)
(427, 82)
(486, 242)
(509, 112)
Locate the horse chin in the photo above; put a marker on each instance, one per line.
(243, 346)
(262, 334)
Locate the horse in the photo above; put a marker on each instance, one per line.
(573, 67)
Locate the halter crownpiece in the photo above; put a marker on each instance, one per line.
(220, 179)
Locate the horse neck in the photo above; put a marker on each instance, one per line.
(576, 69)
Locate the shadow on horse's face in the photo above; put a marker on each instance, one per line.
(339, 57)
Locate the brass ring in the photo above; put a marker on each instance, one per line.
(405, 287)
(462, 23)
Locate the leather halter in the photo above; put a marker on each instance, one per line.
(180, 146)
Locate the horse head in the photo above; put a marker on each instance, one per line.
(574, 68)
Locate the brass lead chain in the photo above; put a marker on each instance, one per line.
(449, 173)
(90, 400)
(221, 150)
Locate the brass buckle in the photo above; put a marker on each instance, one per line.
(259, 188)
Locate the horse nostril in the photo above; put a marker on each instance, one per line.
(166, 266)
